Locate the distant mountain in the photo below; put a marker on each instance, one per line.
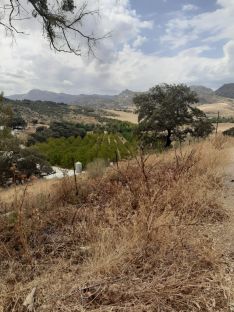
(39, 95)
(94, 100)
(206, 95)
(227, 90)
(120, 101)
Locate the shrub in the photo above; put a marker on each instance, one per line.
(229, 132)
(96, 168)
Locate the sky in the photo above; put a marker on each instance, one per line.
(150, 42)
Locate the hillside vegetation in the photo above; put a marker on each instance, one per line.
(135, 239)
(47, 111)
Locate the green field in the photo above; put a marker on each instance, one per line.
(64, 151)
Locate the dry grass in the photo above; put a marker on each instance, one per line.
(123, 116)
(35, 188)
(225, 126)
(225, 108)
(132, 240)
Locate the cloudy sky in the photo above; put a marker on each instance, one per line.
(151, 42)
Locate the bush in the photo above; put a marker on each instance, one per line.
(229, 132)
(17, 122)
(15, 161)
(96, 168)
(202, 128)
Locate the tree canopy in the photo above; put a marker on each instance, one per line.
(26, 161)
(166, 111)
(17, 122)
(64, 22)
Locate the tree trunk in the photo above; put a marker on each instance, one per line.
(168, 139)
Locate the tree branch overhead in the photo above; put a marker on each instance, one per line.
(63, 22)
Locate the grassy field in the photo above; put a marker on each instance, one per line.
(135, 239)
(225, 109)
(207, 108)
(224, 126)
(123, 116)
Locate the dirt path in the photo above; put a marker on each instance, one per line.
(226, 234)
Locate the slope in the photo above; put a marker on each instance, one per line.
(136, 239)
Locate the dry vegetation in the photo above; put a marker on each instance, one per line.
(226, 109)
(133, 240)
(123, 116)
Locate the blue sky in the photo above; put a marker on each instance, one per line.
(161, 12)
(151, 42)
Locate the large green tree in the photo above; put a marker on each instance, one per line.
(65, 23)
(167, 111)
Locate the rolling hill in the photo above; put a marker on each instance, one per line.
(121, 100)
(227, 90)
(47, 111)
(206, 95)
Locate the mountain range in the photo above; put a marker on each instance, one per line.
(122, 100)
(95, 100)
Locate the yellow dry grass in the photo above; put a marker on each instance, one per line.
(226, 109)
(136, 239)
(123, 116)
(224, 126)
(34, 189)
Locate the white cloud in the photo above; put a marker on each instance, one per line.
(189, 7)
(43, 68)
(141, 72)
(139, 41)
(207, 27)
(67, 83)
(121, 63)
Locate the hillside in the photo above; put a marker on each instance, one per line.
(227, 90)
(206, 95)
(130, 240)
(124, 99)
(47, 111)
